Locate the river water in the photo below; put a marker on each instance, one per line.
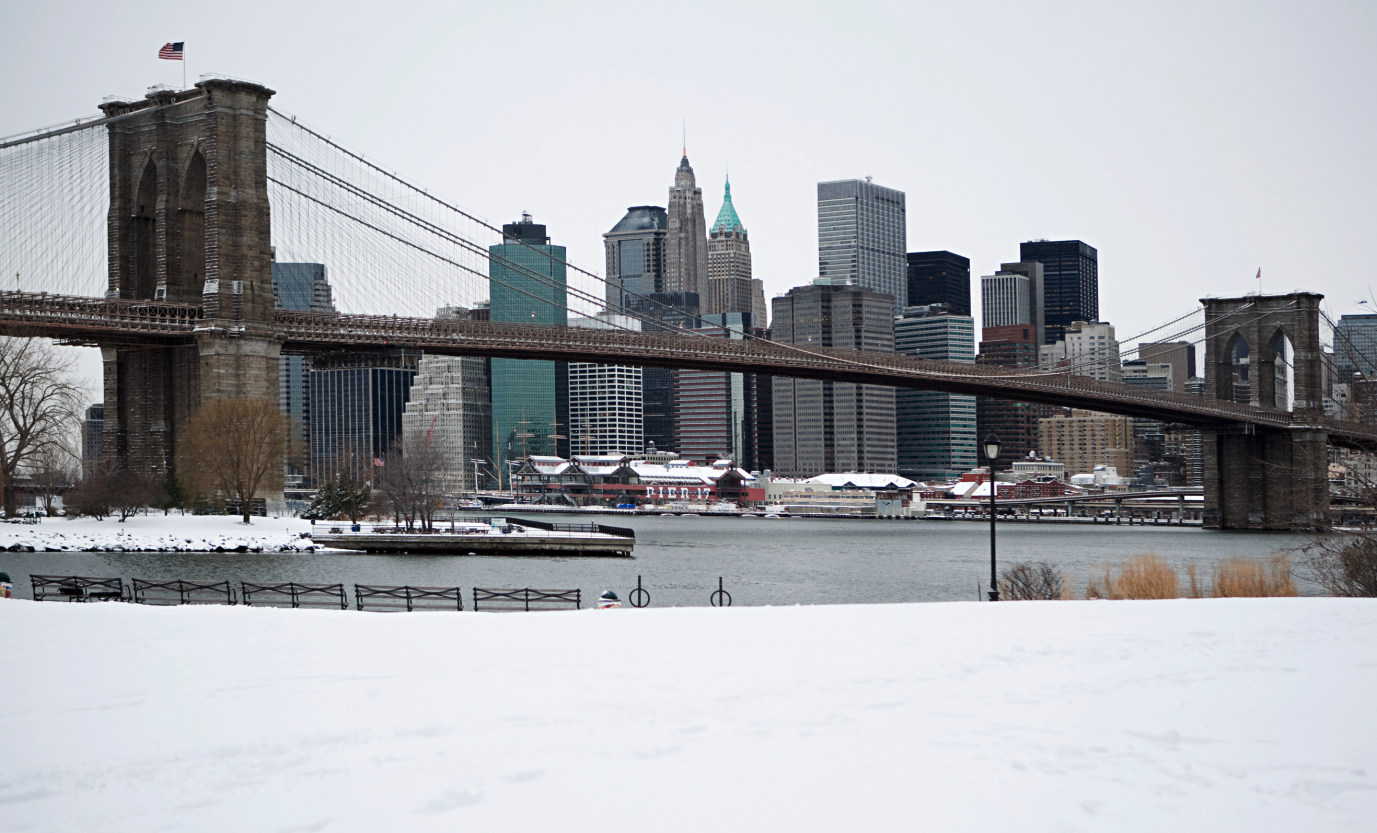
(761, 561)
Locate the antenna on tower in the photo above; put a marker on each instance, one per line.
(685, 126)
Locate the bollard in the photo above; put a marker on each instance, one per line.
(720, 597)
(639, 597)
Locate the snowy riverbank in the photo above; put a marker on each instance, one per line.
(1232, 714)
(159, 533)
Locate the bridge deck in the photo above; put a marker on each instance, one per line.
(151, 323)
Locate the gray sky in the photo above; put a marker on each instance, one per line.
(1191, 143)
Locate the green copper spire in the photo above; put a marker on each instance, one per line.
(727, 221)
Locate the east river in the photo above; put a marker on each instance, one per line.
(679, 559)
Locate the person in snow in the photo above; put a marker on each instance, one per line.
(608, 599)
(6, 587)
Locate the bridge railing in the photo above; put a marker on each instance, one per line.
(72, 311)
(421, 332)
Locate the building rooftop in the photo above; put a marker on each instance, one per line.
(642, 218)
(727, 221)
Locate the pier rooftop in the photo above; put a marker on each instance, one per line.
(1237, 714)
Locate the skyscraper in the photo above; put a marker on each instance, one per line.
(606, 402)
(1070, 282)
(729, 266)
(356, 407)
(1037, 314)
(940, 278)
(450, 410)
(715, 412)
(686, 241)
(1014, 423)
(862, 237)
(935, 431)
(820, 426)
(1088, 349)
(530, 399)
(303, 287)
(1005, 300)
(1179, 354)
(636, 260)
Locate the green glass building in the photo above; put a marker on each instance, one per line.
(530, 399)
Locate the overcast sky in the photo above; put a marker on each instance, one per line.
(1191, 143)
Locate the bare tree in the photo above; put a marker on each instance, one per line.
(133, 491)
(52, 473)
(234, 447)
(409, 483)
(1031, 581)
(39, 405)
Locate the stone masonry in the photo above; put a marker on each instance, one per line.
(189, 223)
(1258, 478)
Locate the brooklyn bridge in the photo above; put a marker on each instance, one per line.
(150, 231)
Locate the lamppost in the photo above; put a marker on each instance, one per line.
(991, 447)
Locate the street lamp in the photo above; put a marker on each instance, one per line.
(991, 448)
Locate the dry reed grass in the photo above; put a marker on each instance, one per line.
(1241, 577)
(1144, 576)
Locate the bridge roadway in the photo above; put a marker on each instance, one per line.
(99, 321)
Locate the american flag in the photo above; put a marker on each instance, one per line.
(171, 51)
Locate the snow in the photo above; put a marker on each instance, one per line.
(1231, 714)
(160, 533)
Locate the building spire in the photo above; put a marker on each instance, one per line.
(727, 221)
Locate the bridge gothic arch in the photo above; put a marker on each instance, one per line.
(144, 233)
(191, 233)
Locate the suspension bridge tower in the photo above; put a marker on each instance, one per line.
(1264, 350)
(189, 224)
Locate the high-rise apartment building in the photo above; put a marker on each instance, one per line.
(1087, 348)
(356, 406)
(1087, 439)
(819, 426)
(940, 278)
(1071, 283)
(530, 399)
(636, 261)
(936, 436)
(606, 402)
(303, 287)
(862, 237)
(686, 241)
(1015, 424)
(450, 412)
(729, 266)
(1179, 354)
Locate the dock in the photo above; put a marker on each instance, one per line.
(499, 536)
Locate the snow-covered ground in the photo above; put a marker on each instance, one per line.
(160, 533)
(1234, 714)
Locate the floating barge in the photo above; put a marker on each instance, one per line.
(498, 536)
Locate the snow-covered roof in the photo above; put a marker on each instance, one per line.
(863, 480)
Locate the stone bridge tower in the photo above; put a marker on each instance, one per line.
(189, 224)
(1265, 350)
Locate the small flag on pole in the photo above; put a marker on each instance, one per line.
(1259, 273)
(378, 462)
(171, 51)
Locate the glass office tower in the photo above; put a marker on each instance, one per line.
(936, 431)
(530, 399)
(1070, 283)
(862, 237)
